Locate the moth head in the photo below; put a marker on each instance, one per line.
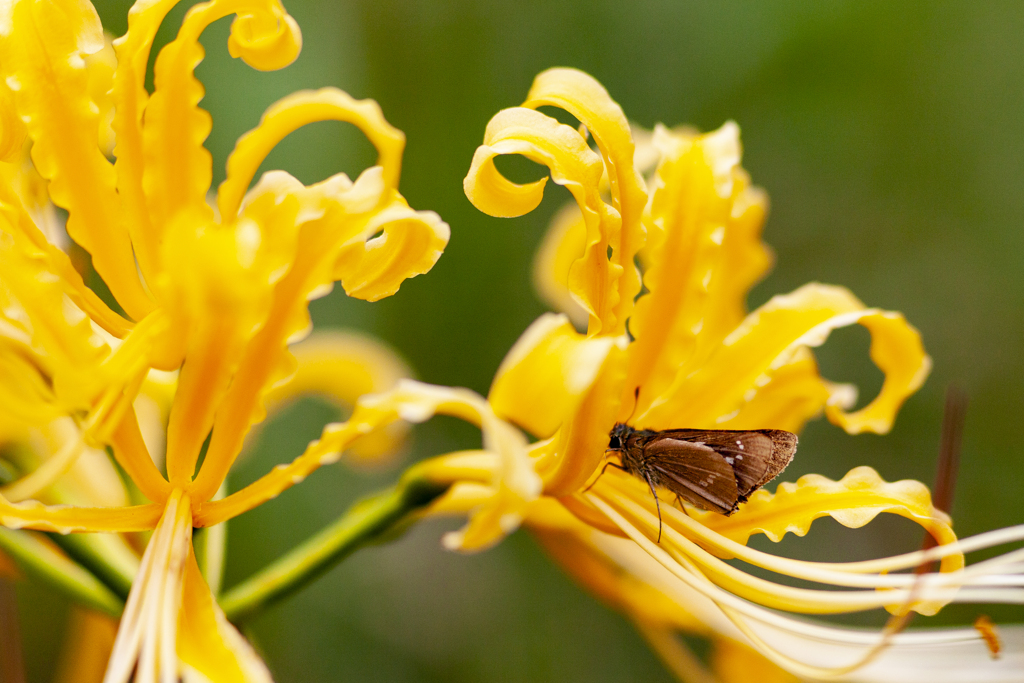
(617, 437)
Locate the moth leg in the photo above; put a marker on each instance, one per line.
(681, 506)
(606, 466)
(657, 503)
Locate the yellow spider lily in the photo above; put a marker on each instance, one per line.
(692, 357)
(212, 291)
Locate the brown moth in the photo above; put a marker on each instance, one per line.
(713, 469)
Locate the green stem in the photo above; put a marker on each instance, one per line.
(107, 556)
(42, 561)
(361, 524)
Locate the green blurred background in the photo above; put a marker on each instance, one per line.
(890, 138)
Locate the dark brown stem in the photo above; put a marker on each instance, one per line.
(953, 417)
(12, 666)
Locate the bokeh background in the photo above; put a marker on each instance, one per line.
(890, 138)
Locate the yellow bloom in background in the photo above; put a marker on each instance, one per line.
(211, 291)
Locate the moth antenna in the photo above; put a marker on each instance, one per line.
(606, 466)
(636, 402)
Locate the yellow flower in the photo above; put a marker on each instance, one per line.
(213, 292)
(691, 358)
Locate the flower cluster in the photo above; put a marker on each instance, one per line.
(206, 296)
(125, 414)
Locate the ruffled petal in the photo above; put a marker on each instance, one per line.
(290, 114)
(897, 351)
(264, 36)
(853, 501)
(207, 643)
(582, 96)
(340, 367)
(514, 483)
(131, 97)
(795, 394)
(768, 339)
(546, 373)
(43, 56)
(66, 519)
(704, 254)
(177, 166)
(397, 244)
(592, 278)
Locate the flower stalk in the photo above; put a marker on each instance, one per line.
(43, 562)
(367, 521)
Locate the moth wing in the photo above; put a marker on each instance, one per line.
(756, 457)
(783, 449)
(694, 472)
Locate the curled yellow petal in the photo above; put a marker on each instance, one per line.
(592, 278)
(897, 350)
(582, 96)
(293, 112)
(768, 340)
(853, 501)
(402, 243)
(265, 37)
(177, 166)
